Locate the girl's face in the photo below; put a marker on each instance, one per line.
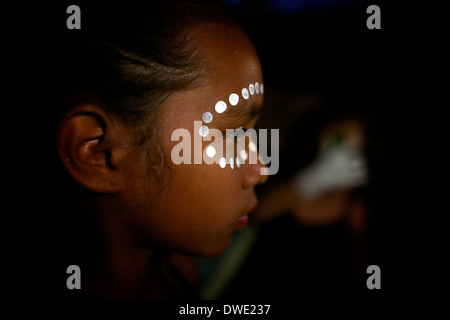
(201, 205)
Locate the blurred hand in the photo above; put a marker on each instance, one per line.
(336, 167)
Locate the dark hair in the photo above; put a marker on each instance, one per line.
(129, 58)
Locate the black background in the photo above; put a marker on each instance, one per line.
(330, 53)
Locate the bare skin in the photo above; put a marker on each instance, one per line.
(194, 212)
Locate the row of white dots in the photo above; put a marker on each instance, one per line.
(223, 162)
(233, 99)
(211, 152)
(221, 107)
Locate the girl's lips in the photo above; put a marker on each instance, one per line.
(241, 222)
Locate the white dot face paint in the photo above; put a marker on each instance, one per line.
(232, 163)
(220, 107)
(251, 88)
(257, 87)
(243, 155)
(203, 131)
(222, 162)
(261, 88)
(238, 163)
(207, 117)
(234, 99)
(252, 146)
(245, 94)
(210, 151)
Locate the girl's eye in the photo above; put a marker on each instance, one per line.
(240, 132)
(236, 132)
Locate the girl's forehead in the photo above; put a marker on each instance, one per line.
(232, 75)
(229, 54)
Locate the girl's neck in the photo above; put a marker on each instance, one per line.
(126, 270)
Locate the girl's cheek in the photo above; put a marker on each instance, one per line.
(220, 151)
(231, 151)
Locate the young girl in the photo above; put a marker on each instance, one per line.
(130, 78)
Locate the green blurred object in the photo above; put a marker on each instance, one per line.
(338, 138)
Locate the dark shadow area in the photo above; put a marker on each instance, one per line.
(321, 66)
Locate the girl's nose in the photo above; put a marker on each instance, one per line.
(254, 174)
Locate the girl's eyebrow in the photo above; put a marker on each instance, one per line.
(247, 111)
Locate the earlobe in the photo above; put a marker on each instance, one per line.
(84, 148)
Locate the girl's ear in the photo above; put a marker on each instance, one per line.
(91, 146)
